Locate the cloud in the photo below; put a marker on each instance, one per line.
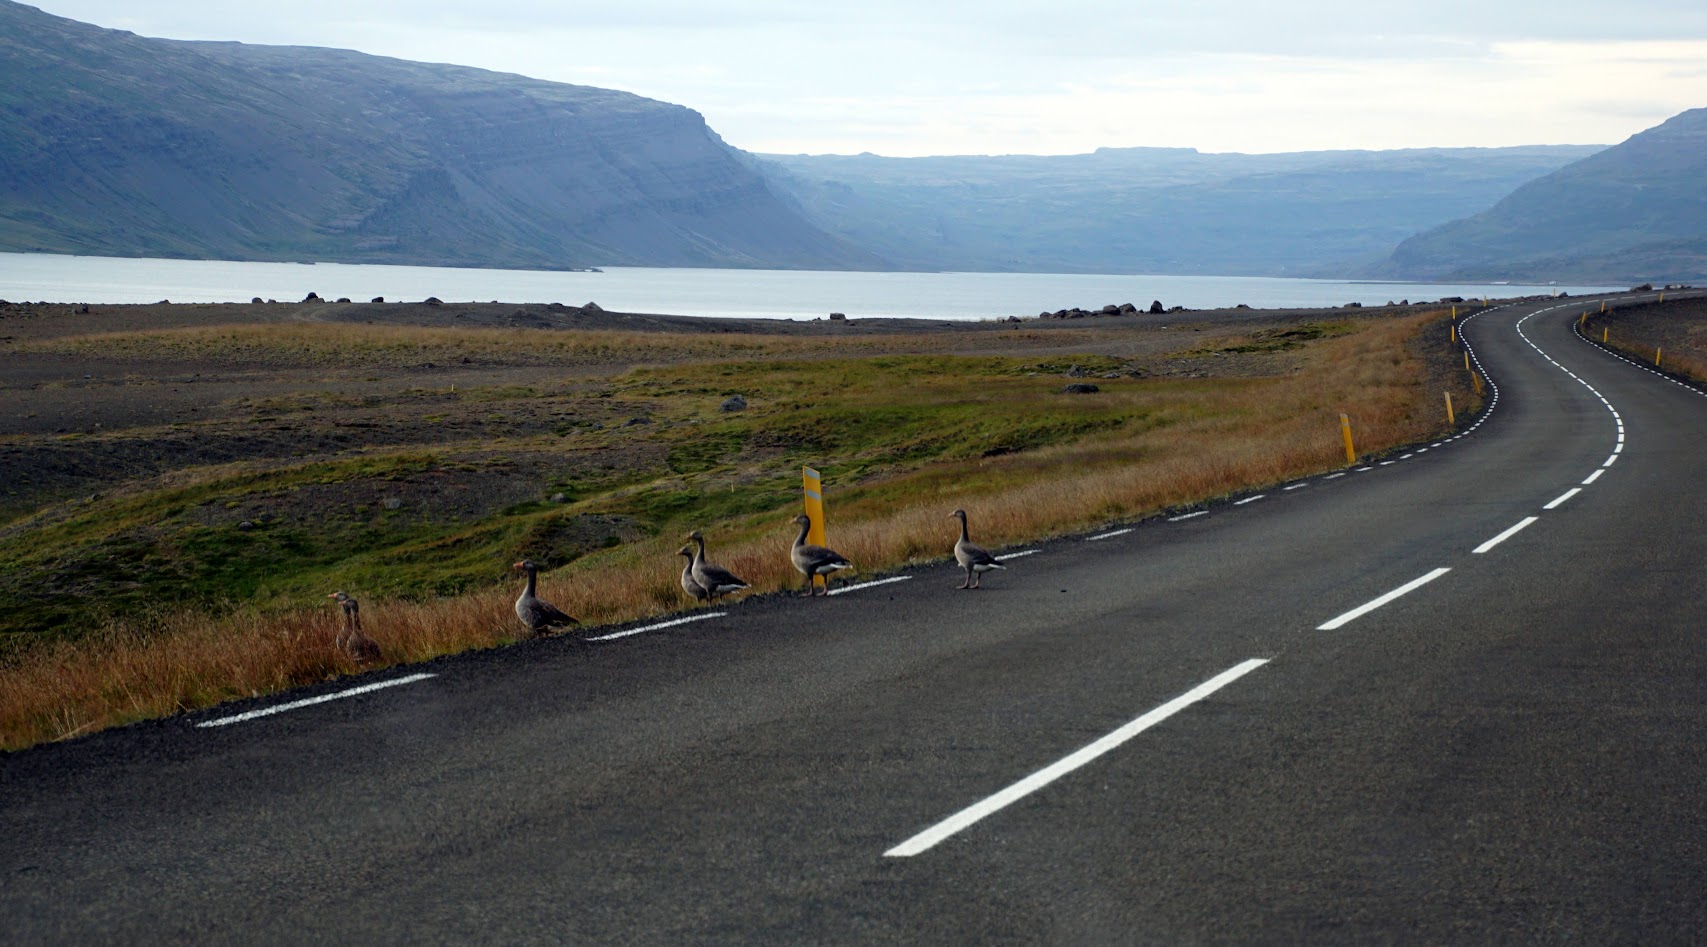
(1006, 76)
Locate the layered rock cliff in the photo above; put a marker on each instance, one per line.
(116, 144)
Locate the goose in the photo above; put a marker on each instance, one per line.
(715, 580)
(976, 560)
(694, 589)
(350, 639)
(815, 560)
(537, 614)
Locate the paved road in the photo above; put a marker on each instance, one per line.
(1191, 731)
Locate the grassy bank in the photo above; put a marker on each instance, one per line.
(179, 590)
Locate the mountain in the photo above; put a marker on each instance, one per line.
(1632, 213)
(1152, 210)
(115, 144)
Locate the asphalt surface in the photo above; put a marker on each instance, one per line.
(1511, 750)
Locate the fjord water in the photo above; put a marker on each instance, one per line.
(766, 294)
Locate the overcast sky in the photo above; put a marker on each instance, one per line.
(919, 77)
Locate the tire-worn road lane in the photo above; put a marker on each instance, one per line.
(1507, 752)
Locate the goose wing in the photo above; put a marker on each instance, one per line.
(717, 578)
(971, 554)
(541, 614)
(819, 559)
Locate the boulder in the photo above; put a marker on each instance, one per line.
(838, 317)
(1156, 306)
(1080, 388)
(593, 307)
(257, 301)
(433, 301)
(312, 297)
(1110, 310)
(733, 403)
(1077, 372)
(378, 299)
(1127, 309)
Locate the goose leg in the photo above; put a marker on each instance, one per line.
(968, 583)
(806, 589)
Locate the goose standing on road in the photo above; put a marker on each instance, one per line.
(537, 614)
(975, 559)
(350, 639)
(689, 585)
(815, 560)
(714, 579)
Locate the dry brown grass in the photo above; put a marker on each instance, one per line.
(356, 345)
(1230, 435)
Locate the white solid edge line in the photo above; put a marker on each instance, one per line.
(1525, 523)
(1118, 532)
(663, 624)
(1334, 476)
(1043, 777)
(1594, 476)
(1562, 498)
(311, 701)
(1249, 499)
(1370, 606)
(1187, 516)
(867, 585)
(1016, 555)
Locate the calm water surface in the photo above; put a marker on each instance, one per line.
(770, 294)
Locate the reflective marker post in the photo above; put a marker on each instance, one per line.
(812, 485)
(1345, 429)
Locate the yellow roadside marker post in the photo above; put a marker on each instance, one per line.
(1450, 420)
(1455, 333)
(1656, 358)
(1466, 359)
(812, 486)
(1603, 331)
(1603, 305)
(1345, 429)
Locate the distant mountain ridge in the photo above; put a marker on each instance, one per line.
(1634, 212)
(121, 145)
(1154, 210)
(116, 144)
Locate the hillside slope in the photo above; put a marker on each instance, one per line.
(116, 144)
(1632, 213)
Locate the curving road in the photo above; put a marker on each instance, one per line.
(1457, 697)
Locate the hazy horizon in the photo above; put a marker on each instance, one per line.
(959, 79)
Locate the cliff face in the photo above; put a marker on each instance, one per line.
(1634, 212)
(116, 144)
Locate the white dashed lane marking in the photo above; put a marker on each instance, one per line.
(311, 701)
